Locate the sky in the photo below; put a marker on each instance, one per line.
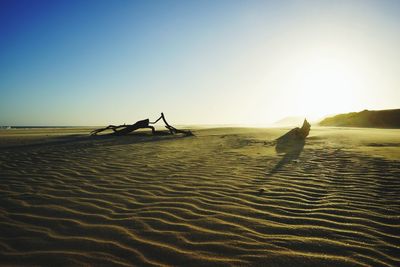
(83, 63)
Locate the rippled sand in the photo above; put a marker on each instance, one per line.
(223, 197)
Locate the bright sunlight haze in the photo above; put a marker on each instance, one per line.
(200, 62)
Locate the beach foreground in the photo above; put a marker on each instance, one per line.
(222, 197)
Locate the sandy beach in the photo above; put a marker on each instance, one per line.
(223, 197)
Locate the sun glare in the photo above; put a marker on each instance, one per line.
(326, 83)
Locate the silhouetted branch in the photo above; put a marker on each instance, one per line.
(172, 129)
(143, 124)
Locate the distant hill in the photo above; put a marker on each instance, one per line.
(367, 118)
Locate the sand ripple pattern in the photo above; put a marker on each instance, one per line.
(196, 201)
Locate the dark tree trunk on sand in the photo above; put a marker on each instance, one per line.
(294, 140)
(142, 124)
(297, 133)
(172, 129)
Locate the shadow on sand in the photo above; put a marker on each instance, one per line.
(104, 140)
(291, 150)
(291, 144)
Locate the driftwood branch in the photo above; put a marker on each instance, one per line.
(172, 129)
(143, 124)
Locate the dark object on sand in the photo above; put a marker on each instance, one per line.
(291, 145)
(125, 129)
(142, 124)
(297, 133)
(294, 139)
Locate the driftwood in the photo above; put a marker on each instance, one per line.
(297, 133)
(142, 124)
(172, 129)
(293, 140)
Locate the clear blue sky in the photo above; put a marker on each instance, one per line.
(101, 62)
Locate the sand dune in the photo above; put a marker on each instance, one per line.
(223, 197)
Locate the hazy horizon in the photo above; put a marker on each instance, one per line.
(282, 122)
(86, 63)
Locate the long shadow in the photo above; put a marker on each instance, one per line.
(136, 137)
(105, 140)
(56, 140)
(291, 146)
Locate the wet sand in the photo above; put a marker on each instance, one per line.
(223, 197)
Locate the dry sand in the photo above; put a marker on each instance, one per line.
(223, 197)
